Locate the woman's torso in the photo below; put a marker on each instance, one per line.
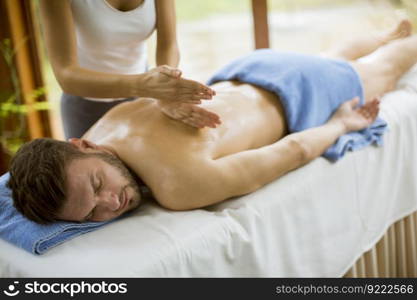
(111, 35)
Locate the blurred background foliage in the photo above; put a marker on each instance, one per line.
(13, 125)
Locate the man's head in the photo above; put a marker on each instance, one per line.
(74, 181)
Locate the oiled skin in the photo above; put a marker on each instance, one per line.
(166, 153)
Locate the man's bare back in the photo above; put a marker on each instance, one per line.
(162, 150)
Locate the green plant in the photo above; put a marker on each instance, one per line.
(12, 108)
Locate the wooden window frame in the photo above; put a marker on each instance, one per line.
(17, 23)
(260, 23)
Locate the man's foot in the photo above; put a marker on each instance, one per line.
(402, 30)
(190, 114)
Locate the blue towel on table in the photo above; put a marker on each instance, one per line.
(310, 88)
(33, 237)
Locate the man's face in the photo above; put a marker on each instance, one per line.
(100, 188)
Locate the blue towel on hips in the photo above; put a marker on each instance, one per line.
(33, 237)
(311, 88)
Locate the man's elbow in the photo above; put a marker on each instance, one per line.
(172, 205)
(184, 197)
(181, 203)
(300, 150)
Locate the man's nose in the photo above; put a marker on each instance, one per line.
(110, 201)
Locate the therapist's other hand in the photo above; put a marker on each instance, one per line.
(165, 83)
(190, 114)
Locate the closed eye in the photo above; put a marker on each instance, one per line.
(98, 186)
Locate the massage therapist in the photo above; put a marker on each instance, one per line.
(97, 49)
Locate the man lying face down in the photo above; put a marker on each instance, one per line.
(187, 157)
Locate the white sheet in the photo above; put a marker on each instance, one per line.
(313, 222)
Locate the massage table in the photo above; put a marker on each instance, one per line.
(316, 221)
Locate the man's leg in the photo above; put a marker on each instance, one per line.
(362, 46)
(380, 74)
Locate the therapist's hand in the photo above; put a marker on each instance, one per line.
(190, 114)
(167, 70)
(166, 84)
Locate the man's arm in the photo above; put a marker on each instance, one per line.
(247, 171)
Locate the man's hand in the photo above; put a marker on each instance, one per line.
(356, 118)
(165, 84)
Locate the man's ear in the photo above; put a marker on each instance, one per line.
(82, 144)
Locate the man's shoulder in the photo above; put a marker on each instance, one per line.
(126, 108)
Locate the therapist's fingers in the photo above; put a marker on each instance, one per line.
(203, 117)
(164, 83)
(206, 114)
(190, 87)
(192, 98)
(195, 102)
(170, 71)
(194, 116)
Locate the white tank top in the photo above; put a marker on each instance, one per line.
(110, 40)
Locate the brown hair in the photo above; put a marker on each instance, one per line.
(37, 178)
